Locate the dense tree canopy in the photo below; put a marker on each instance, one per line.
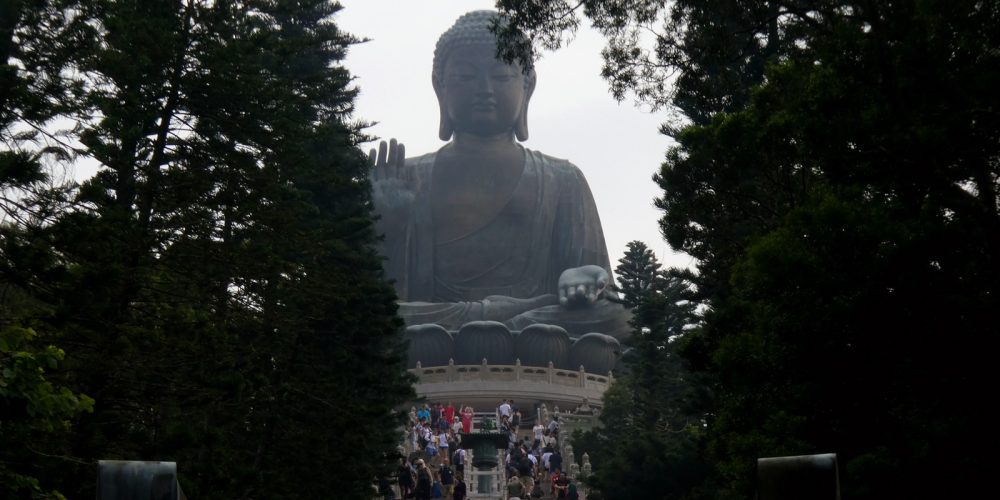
(652, 424)
(836, 177)
(215, 285)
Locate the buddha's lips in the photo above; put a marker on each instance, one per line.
(484, 106)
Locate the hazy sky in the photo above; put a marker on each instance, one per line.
(571, 115)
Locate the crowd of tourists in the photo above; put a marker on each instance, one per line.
(434, 465)
(434, 462)
(533, 460)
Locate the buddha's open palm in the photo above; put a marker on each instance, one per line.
(389, 162)
(391, 178)
(582, 286)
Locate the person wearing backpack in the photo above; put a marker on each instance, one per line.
(525, 469)
(447, 479)
(459, 492)
(458, 458)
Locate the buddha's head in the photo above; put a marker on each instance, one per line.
(478, 93)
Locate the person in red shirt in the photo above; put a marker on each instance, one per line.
(449, 414)
(467, 420)
(560, 485)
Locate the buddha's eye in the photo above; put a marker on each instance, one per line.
(460, 72)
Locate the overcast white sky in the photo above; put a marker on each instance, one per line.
(572, 115)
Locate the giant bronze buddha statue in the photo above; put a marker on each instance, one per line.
(484, 228)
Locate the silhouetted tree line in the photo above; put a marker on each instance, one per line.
(211, 295)
(835, 176)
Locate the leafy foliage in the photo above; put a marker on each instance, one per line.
(691, 58)
(837, 181)
(33, 409)
(215, 284)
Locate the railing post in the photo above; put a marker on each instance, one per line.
(583, 377)
(551, 367)
(451, 369)
(470, 477)
(517, 369)
(499, 472)
(483, 369)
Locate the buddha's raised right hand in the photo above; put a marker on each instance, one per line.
(390, 161)
(391, 179)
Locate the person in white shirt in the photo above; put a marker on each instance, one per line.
(442, 444)
(412, 437)
(548, 440)
(425, 431)
(459, 461)
(538, 430)
(504, 410)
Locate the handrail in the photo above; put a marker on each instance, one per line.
(512, 373)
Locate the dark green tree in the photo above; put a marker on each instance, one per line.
(837, 183)
(215, 284)
(37, 84)
(651, 435)
(638, 271)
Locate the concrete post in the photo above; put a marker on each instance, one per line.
(806, 476)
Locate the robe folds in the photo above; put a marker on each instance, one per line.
(508, 268)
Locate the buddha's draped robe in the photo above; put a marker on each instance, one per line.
(549, 224)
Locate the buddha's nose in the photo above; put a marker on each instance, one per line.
(485, 86)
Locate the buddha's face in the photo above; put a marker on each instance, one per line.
(482, 95)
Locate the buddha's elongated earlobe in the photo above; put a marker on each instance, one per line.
(446, 128)
(521, 126)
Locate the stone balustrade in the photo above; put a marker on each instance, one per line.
(490, 383)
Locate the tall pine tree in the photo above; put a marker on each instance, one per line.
(215, 284)
(638, 272)
(651, 431)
